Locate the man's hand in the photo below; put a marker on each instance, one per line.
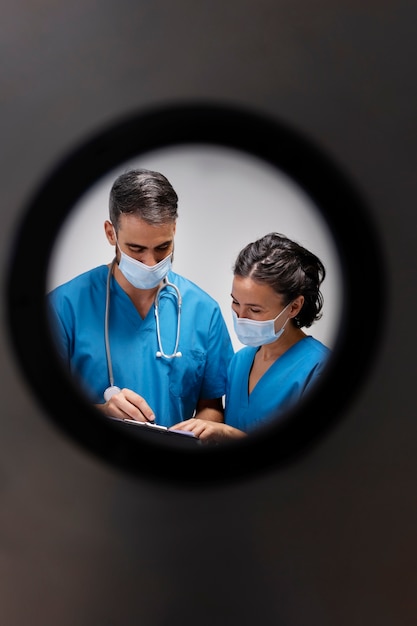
(127, 405)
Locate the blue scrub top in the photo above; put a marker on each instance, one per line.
(283, 384)
(171, 387)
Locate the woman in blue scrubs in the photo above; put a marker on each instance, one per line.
(153, 379)
(275, 294)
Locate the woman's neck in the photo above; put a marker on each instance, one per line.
(272, 351)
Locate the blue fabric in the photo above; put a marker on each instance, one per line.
(170, 387)
(285, 382)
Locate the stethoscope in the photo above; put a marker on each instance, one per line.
(112, 388)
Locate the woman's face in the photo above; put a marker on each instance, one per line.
(254, 300)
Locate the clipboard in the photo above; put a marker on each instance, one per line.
(182, 437)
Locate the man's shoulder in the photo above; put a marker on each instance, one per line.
(88, 281)
(89, 277)
(188, 287)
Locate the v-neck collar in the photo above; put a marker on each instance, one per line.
(128, 309)
(278, 363)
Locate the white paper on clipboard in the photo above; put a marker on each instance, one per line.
(187, 433)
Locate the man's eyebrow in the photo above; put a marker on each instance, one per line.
(139, 245)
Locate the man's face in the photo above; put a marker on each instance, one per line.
(142, 241)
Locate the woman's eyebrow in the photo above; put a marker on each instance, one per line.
(254, 304)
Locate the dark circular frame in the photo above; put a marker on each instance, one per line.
(137, 450)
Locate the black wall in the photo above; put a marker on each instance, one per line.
(328, 540)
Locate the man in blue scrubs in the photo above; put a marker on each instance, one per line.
(153, 378)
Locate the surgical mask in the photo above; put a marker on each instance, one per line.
(255, 333)
(143, 276)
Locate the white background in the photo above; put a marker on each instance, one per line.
(227, 198)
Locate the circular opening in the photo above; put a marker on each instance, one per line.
(227, 198)
(219, 133)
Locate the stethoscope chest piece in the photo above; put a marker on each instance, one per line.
(111, 391)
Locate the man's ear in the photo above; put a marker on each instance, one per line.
(110, 233)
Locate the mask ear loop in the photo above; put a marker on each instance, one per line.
(281, 330)
(281, 312)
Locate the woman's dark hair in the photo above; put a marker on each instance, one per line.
(289, 269)
(145, 193)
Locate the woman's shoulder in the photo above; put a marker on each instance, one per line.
(313, 348)
(241, 355)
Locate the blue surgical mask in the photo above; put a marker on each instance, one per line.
(143, 276)
(255, 333)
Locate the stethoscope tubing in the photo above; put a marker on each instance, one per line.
(112, 388)
(160, 353)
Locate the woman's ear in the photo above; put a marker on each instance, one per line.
(296, 306)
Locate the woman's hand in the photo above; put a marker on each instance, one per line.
(208, 431)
